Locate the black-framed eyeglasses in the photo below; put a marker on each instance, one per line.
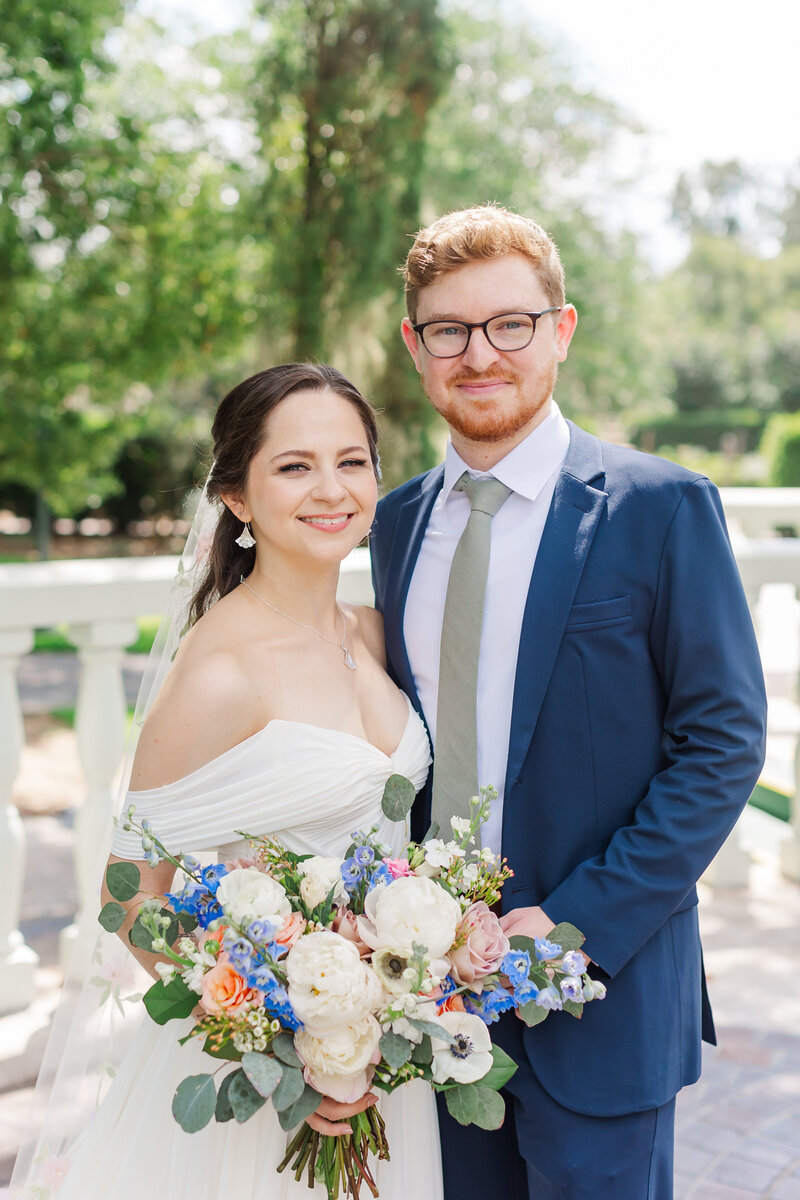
(506, 332)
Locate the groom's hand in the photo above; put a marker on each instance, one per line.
(330, 1117)
(526, 922)
(529, 922)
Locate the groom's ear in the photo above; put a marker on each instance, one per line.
(410, 339)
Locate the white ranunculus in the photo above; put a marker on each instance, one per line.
(337, 1063)
(329, 984)
(319, 875)
(247, 894)
(410, 910)
(470, 1058)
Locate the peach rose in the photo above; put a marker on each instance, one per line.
(225, 991)
(481, 946)
(291, 929)
(451, 1004)
(345, 924)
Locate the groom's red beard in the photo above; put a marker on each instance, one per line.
(491, 420)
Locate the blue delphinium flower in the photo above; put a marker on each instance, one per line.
(212, 875)
(549, 998)
(208, 909)
(239, 951)
(261, 977)
(494, 1003)
(516, 965)
(573, 962)
(352, 873)
(545, 949)
(188, 899)
(261, 930)
(276, 1001)
(380, 877)
(571, 988)
(525, 991)
(364, 855)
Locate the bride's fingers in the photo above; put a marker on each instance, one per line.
(329, 1128)
(328, 1118)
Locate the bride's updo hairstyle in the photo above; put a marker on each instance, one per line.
(238, 433)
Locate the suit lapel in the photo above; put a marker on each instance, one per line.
(409, 531)
(571, 524)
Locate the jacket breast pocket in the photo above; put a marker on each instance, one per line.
(599, 614)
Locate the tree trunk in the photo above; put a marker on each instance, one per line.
(44, 525)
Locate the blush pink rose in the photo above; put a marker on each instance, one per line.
(398, 867)
(291, 929)
(241, 864)
(225, 991)
(345, 924)
(481, 946)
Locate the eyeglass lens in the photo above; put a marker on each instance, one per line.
(510, 332)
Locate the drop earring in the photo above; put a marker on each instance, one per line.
(245, 538)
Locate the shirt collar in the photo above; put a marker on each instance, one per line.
(526, 468)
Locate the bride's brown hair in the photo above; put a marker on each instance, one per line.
(238, 433)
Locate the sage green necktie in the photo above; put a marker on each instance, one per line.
(455, 766)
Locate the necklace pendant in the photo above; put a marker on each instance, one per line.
(349, 661)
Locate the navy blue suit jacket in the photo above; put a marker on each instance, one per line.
(637, 736)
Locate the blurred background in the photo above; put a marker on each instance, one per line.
(190, 192)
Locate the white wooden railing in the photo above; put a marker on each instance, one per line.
(100, 599)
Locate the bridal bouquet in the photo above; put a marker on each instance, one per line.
(311, 976)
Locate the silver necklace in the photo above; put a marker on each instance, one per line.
(349, 661)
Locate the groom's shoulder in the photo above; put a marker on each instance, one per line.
(630, 469)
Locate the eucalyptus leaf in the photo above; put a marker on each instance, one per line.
(432, 1029)
(398, 797)
(112, 916)
(225, 1049)
(290, 1088)
(224, 1110)
(194, 1102)
(302, 1108)
(141, 937)
(243, 1097)
(422, 1053)
(123, 880)
(532, 1013)
(282, 1047)
(520, 942)
(567, 936)
(169, 1001)
(501, 1070)
(396, 1049)
(263, 1072)
(462, 1103)
(491, 1108)
(573, 1008)
(188, 922)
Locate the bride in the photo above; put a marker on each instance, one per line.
(277, 717)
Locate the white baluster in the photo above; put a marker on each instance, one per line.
(17, 961)
(790, 849)
(100, 726)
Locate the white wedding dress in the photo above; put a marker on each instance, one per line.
(310, 787)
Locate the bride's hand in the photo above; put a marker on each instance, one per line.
(330, 1117)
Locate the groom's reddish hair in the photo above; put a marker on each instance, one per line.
(469, 234)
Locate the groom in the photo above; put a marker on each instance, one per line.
(609, 687)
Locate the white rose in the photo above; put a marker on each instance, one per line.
(410, 910)
(319, 875)
(470, 1058)
(337, 1063)
(329, 984)
(247, 894)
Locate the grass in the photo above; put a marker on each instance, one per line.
(771, 801)
(67, 717)
(56, 640)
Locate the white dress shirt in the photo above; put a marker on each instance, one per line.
(530, 470)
